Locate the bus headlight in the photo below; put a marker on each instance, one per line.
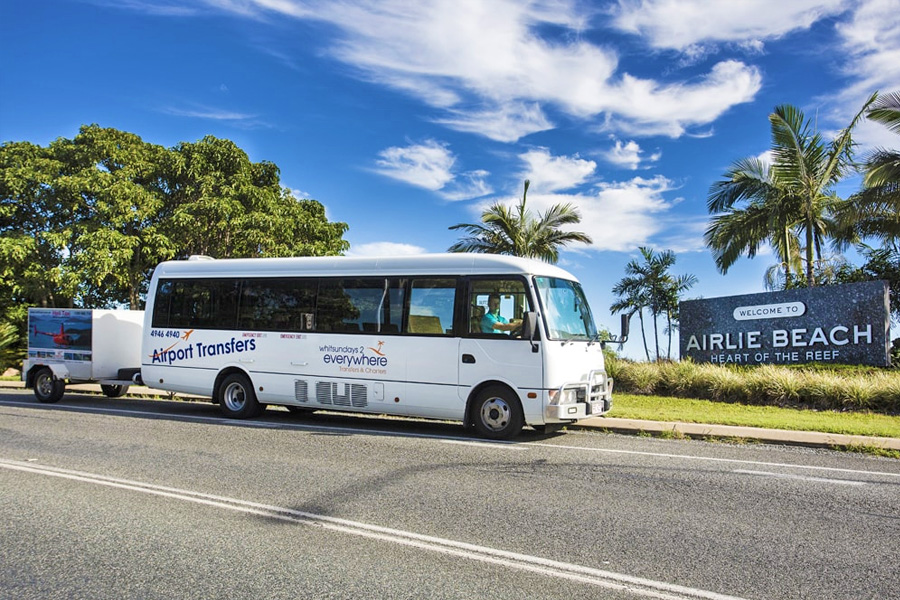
(565, 395)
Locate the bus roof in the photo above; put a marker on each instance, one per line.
(358, 266)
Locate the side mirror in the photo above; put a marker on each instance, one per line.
(529, 329)
(625, 328)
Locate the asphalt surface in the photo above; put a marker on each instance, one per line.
(162, 499)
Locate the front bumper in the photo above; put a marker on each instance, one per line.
(573, 401)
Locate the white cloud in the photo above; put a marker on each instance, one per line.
(493, 69)
(620, 217)
(427, 165)
(214, 114)
(646, 108)
(683, 24)
(627, 214)
(506, 123)
(430, 165)
(385, 249)
(466, 186)
(870, 42)
(628, 155)
(554, 173)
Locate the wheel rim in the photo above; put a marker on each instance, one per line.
(44, 385)
(495, 414)
(235, 397)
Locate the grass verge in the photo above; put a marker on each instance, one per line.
(692, 410)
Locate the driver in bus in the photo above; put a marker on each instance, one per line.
(493, 321)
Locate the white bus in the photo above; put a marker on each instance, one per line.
(401, 335)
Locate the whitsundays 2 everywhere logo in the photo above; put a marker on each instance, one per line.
(356, 359)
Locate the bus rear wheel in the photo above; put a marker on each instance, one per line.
(47, 388)
(237, 398)
(497, 414)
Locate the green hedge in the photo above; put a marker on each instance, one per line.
(808, 386)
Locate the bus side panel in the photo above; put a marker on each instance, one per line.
(192, 381)
(346, 372)
(505, 360)
(433, 371)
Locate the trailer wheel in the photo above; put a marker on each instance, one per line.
(113, 391)
(497, 414)
(237, 398)
(47, 388)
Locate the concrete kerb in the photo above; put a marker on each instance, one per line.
(774, 436)
(632, 426)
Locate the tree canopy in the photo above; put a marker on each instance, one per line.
(84, 221)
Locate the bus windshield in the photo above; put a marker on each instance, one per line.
(565, 309)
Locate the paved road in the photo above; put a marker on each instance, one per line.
(151, 499)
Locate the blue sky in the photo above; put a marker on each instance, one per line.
(406, 117)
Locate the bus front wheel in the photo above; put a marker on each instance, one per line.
(497, 414)
(237, 398)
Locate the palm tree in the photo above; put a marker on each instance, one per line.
(672, 289)
(792, 199)
(518, 233)
(765, 218)
(632, 299)
(875, 211)
(649, 285)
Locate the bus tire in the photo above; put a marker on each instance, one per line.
(497, 414)
(113, 391)
(47, 388)
(237, 398)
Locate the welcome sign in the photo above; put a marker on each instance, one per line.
(846, 324)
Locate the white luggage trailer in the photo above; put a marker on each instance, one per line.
(82, 346)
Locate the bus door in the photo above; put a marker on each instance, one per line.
(430, 348)
(493, 348)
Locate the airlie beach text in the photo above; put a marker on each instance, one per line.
(780, 345)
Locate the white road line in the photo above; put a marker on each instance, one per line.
(638, 586)
(800, 477)
(504, 445)
(718, 460)
(386, 432)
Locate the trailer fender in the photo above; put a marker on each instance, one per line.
(59, 371)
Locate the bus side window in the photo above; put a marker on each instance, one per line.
(431, 304)
(510, 304)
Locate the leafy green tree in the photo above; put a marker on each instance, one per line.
(519, 233)
(115, 185)
(84, 221)
(224, 205)
(790, 203)
(649, 285)
(31, 214)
